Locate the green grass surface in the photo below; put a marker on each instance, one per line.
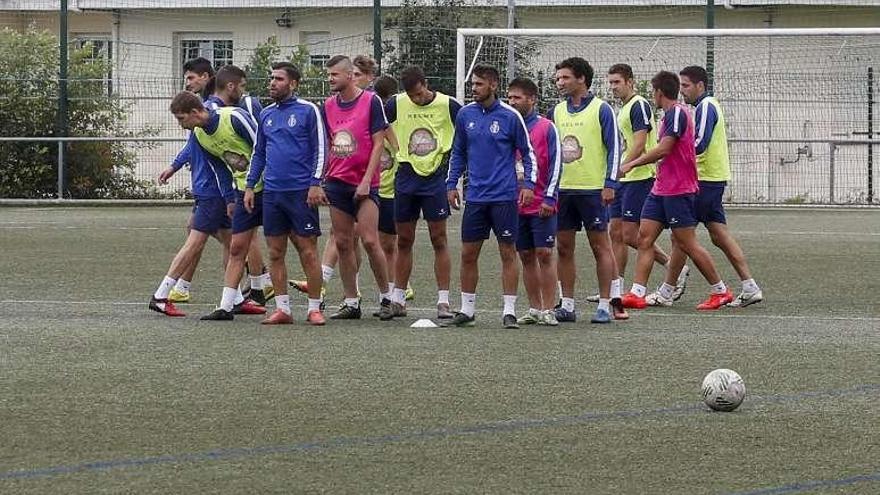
(89, 375)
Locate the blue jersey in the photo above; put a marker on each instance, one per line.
(291, 146)
(252, 105)
(705, 119)
(485, 143)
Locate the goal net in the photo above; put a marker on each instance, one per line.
(800, 104)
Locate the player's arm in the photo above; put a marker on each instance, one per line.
(457, 162)
(183, 157)
(641, 118)
(318, 142)
(551, 193)
(391, 117)
(257, 166)
(611, 140)
(705, 118)
(244, 126)
(674, 129)
(378, 125)
(529, 162)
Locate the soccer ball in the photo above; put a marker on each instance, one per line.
(723, 390)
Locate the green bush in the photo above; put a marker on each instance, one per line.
(29, 62)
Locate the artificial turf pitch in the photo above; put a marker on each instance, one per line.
(99, 395)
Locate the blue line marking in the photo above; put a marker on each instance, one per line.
(805, 486)
(478, 429)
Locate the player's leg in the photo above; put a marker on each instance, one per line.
(388, 242)
(475, 227)
(651, 223)
(616, 231)
(343, 236)
(724, 240)
(231, 300)
(435, 210)
(194, 244)
(595, 216)
(504, 217)
(525, 246)
(367, 229)
(306, 229)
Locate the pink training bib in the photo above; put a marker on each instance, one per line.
(538, 137)
(677, 171)
(350, 140)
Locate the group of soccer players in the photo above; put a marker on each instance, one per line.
(381, 159)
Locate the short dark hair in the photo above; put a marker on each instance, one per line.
(185, 102)
(199, 65)
(228, 74)
(385, 87)
(579, 67)
(291, 70)
(488, 72)
(412, 76)
(525, 85)
(623, 70)
(696, 74)
(338, 59)
(366, 64)
(667, 83)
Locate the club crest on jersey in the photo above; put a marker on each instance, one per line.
(344, 144)
(471, 125)
(495, 127)
(422, 142)
(571, 149)
(291, 121)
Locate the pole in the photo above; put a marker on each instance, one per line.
(62, 117)
(377, 32)
(710, 44)
(511, 45)
(870, 134)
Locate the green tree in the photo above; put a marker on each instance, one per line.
(312, 85)
(29, 106)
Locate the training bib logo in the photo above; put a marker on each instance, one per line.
(385, 161)
(422, 142)
(571, 149)
(495, 127)
(344, 144)
(235, 161)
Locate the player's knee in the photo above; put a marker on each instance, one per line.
(405, 241)
(508, 254)
(469, 256)
(544, 255)
(527, 256)
(438, 241)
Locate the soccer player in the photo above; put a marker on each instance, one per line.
(537, 221)
(424, 122)
(637, 127)
(356, 123)
(227, 134)
(214, 205)
(289, 155)
(671, 201)
(713, 170)
(198, 76)
(365, 71)
(488, 133)
(590, 157)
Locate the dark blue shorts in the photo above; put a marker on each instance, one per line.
(286, 211)
(578, 211)
(432, 208)
(536, 232)
(386, 216)
(209, 215)
(341, 196)
(672, 211)
(709, 206)
(242, 221)
(501, 217)
(629, 200)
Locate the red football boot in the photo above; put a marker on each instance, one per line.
(633, 301)
(716, 301)
(248, 307)
(278, 318)
(165, 307)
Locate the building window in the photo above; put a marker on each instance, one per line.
(318, 44)
(217, 47)
(100, 48)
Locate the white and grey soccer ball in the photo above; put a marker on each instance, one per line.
(723, 390)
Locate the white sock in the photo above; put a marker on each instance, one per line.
(604, 304)
(239, 298)
(326, 273)
(164, 288)
(509, 305)
(719, 288)
(442, 297)
(559, 288)
(639, 290)
(534, 312)
(282, 302)
(267, 280)
(750, 285)
(384, 295)
(352, 302)
(227, 300)
(616, 284)
(398, 296)
(468, 303)
(357, 282)
(256, 282)
(182, 286)
(666, 290)
(568, 303)
(314, 305)
(391, 287)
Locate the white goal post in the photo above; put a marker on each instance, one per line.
(801, 104)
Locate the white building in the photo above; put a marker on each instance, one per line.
(148, 40)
